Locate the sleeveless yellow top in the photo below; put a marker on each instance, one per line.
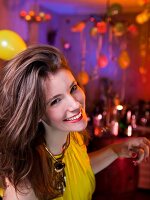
(80, 180)
(1, 192)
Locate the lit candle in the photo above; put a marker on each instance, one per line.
(115, 128)
(129, 131)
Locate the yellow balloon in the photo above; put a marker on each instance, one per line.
(10, 44)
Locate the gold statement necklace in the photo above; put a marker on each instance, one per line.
(59, 172)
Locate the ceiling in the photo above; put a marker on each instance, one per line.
(89, 6)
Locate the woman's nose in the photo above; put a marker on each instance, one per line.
(73, 103)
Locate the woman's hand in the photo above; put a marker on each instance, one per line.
(134, 147)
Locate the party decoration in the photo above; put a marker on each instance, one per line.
(94, 31)
(119, 29)
(66, 45)
(142, 17)
(124, 59)
(102, 61)
(142, 70)
(33, 16)
(143, 53)
(79, 27)
(142, 2)
(132, 28)
(101, 27)
(10, 44)
(143, 50)
(116, 100)
(114, 9)
(83, 77)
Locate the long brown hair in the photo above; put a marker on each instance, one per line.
(22, 104)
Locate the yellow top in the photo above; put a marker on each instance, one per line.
(80, 180)
(1, 192)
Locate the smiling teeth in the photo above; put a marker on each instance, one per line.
(76, 117)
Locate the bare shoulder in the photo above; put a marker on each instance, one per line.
(24, 193)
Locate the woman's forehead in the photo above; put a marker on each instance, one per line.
(60, 75)
(61, 80)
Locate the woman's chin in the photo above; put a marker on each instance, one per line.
(81, 126)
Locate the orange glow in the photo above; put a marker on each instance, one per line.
(31, 16)
(31, 13)
(23, 13)
(27, 17)
(38, 18)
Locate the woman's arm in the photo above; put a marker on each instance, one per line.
(102, 158)
(138, 148)
(24, 193)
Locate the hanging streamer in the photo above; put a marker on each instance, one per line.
(83, 77)
(110, 39)
(123, 89)
(83, 50)
(98, 50)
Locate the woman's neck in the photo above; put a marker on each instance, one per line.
(54, 139)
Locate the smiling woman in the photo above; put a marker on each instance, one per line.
(65, 104)
(46, 105)
(42, 139)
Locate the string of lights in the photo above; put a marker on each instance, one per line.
(33, 16)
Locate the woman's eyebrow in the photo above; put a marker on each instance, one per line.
(54, 97)
(74, 82)
(58, 95)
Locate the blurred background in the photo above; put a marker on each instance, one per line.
(107, 44)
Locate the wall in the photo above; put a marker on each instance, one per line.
(129, 84)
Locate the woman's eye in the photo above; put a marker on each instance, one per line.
(55, 101)
(74, 87)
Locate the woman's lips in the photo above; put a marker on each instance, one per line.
(75, 118)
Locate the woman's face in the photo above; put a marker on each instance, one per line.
(65, 103)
